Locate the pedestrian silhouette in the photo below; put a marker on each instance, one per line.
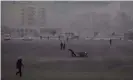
(67, 39)
(40, 37)
(64, 46)
(59, 37)
(110, 41)
(61, 46)
(19, 65)
(48, 37)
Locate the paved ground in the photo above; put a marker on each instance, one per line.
(44, 60)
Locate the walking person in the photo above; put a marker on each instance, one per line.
(110, 41)
(41, 37)
(64, 46)
(61, 45)
(120, 39)
(59, 37)
(67, 39)
(19, 65)
(48, 37)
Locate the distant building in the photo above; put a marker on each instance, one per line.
(28, 16)
(41, 17)
(33, 16)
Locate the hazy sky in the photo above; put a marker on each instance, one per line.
(67, 14)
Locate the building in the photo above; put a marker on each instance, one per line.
(41, 17)
(28, 17)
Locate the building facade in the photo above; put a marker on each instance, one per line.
(28, 16)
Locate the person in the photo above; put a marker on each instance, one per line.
(48, 37)
(59, 37)
(19, 65)
(110, 41)
(67, 39)
(40, 37)
(120, 39)
(61, 46)
(64, 46)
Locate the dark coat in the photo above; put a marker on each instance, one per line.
(19, 64)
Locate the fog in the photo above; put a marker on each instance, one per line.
(74, 16)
